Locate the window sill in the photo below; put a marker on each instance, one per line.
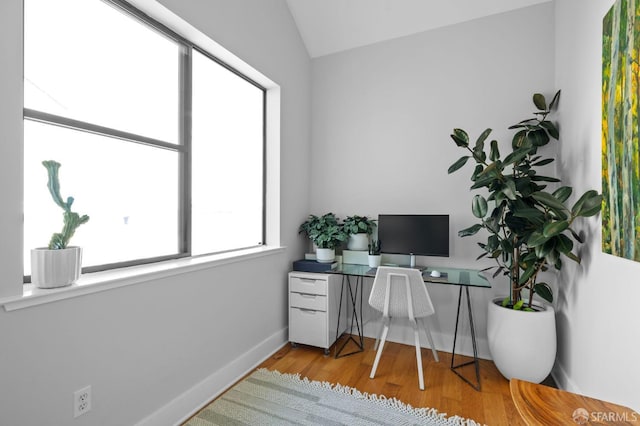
(107, 280)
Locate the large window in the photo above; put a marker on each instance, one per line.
(160, 144)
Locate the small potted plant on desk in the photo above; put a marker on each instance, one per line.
(359, 228)
(326, 233)
(375, 258)
(59, 264)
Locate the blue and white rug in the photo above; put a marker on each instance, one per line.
(273, 398)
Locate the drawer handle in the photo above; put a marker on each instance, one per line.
(308, 311)
(308, 296)
(308, 280)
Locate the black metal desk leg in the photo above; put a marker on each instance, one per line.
(475, 360)
(355, 319)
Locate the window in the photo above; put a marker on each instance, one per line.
(160, 144)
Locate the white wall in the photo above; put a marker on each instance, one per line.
(382, 116)
(598, 320)
(142, 346)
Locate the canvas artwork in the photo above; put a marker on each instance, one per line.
(620, 153)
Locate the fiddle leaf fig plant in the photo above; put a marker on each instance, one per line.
(72, 220)
(529, 226)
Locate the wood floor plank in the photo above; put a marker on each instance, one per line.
(397, 377)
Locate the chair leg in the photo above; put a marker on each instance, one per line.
(418, 353)
(383, 338)
(375, 346)
(427, 331)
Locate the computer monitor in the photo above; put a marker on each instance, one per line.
(414, 234)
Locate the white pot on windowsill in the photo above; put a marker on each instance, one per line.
(55, 268)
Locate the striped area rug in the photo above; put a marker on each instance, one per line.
(272, 398)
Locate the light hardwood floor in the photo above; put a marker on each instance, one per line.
(397, 377)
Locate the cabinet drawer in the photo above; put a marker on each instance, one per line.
(308, 327)
(308, 285)
(308, 301)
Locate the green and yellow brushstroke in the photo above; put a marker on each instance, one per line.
(620, 153)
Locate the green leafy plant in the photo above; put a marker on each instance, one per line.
(324, 231)
(528, 226)
(72, 220)
(359, 225)
(374, 247)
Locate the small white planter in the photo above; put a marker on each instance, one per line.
(522, 344)
(358, 242)
(324, 255)
(375, 260)
(55, 268)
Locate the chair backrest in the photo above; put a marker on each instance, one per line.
(394, 287)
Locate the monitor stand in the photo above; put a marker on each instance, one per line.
(412, 260)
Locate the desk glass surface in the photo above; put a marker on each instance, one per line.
(455, 276)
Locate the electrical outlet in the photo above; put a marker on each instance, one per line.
(81, 401)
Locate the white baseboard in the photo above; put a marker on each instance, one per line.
(185, 405)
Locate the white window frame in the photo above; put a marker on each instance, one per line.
(183, 145)
(15, 295)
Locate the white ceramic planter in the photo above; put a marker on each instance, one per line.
(522, 344)
(55, 268)
(375, 260)
(324, 255)
(358, 242)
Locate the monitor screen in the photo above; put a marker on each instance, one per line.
(424, 235)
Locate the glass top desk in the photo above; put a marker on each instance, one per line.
(463, 278)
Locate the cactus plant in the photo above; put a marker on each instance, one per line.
(374, 247)
(72, 220)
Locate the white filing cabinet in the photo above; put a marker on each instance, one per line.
(314, 301)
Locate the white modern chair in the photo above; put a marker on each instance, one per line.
(401, 293)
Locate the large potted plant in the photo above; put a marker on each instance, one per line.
(359, 228)
(326, 233)
(58, 264)
(529, 231)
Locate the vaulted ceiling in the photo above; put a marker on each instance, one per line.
(330, 26)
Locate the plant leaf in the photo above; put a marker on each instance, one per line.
(458, 164)
(554, 228)
(564, 244)
(479, 206)
(516, 156)
(538, 137)
(472, 230)
(528, 273)
(544, 291)
(563, 193)
(588, 205)
(460, 137)
(551, 128)
(482, 138)
(536, 239)
(555, 99)
(543, 162)
(548, 200)
(540, 102)
(509, 189)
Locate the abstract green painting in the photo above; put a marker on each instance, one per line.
(620, 153)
